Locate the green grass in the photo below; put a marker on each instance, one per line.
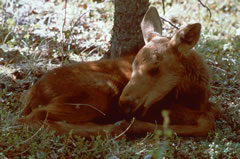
(29, 47)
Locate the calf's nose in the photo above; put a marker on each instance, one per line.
(126, 104)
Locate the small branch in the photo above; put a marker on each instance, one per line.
(170, 23)
(132, 121)
(44, 122)
(62, 36)
(88, 105)
(65, 13)
(163, 6)
(27, 140)
(205, 7)
(78, 19)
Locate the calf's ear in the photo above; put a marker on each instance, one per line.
(187, 37)
(151, 24)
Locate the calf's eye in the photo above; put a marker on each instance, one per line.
(153, 71)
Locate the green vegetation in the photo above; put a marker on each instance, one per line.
(33, 40)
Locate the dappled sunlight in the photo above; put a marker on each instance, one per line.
(38, 36)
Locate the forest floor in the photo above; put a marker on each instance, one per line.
(37, 36)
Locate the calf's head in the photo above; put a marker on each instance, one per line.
(158, 67)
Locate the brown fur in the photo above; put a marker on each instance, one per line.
(167, 74)
(76, 96)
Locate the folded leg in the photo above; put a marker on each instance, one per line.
(85, 129)
(51, 119)
(183, 121)
(63, 115)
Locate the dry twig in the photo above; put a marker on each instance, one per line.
(132, 121)
(62, 36)
(88, 105)
(30, 138)
(170, 23)
(163, 6)
(210, 13)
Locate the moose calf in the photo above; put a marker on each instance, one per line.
(89, 97)
(169, 75)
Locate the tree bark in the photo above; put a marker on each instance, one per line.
(127, 36)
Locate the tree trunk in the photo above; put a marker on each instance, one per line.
(127, 35)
